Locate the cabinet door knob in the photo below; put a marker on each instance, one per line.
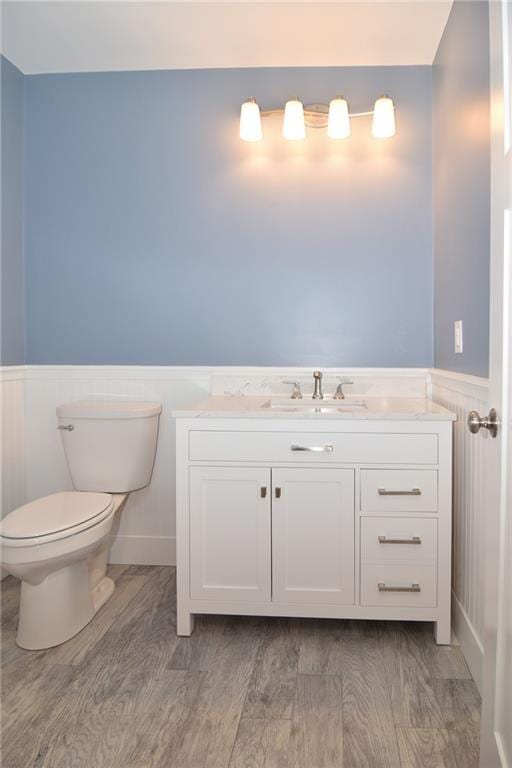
(263, 491)
(278, 493)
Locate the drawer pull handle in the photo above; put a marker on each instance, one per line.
(313, 448)
(263, 492)
(278, 493)
(412, 492)
(388, 588)
(412, 540)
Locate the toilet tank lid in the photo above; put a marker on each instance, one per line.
(109, 409)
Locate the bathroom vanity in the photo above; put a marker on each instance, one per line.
(335, 511)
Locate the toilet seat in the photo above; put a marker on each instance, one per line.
(55, 517)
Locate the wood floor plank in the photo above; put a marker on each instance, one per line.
(261, 744)
(464, 740)
(214, 701)
(10, 651)
(442, 661)
(157, 582)
(320, 647)
(10, 598)
(32, 714)
(92, 742)
(425, 748)
(404, 662)
(159, 721)
(316, 737)
(459, 701)
(114, 571)
(368, 728)
(271, 693)
(231, 635)
(119, 671)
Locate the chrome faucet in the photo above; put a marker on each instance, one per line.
(318, 394)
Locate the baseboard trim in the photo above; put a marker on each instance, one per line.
(469, 642)
(143, 550)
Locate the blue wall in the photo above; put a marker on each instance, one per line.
(154, 235)
(12, 344)
(462, 189)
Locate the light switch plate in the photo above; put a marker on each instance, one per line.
(458, 337)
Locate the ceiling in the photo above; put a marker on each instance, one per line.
(78, 36)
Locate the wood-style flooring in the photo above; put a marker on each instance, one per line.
(240, 693)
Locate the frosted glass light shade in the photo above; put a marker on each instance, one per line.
(294, 127)
(338, 124)
(250, 121)
(383, 126)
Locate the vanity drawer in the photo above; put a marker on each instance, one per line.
(398, 539)
(313, 447)
(399, 584)
(399, 490)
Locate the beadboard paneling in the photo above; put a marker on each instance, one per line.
(461, 393)
(13, 438)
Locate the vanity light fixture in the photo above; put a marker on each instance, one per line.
(336, 117)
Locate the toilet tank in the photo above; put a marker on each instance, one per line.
(110, 446)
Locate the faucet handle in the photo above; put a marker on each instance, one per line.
(339, 394)
(296, 394)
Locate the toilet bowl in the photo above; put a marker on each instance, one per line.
(58, 544)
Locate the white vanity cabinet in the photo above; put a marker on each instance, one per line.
(326, 517)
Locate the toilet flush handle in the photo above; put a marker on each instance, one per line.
(69, 427)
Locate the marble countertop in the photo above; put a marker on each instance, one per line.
(385, 408)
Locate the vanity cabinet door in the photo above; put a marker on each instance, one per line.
(230, 546)
(313, 548)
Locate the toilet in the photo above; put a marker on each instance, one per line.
(58, 545)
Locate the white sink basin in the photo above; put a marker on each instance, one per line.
(307, 405)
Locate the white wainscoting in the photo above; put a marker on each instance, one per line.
(147, 529)
(12, 444)
(462, 393)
